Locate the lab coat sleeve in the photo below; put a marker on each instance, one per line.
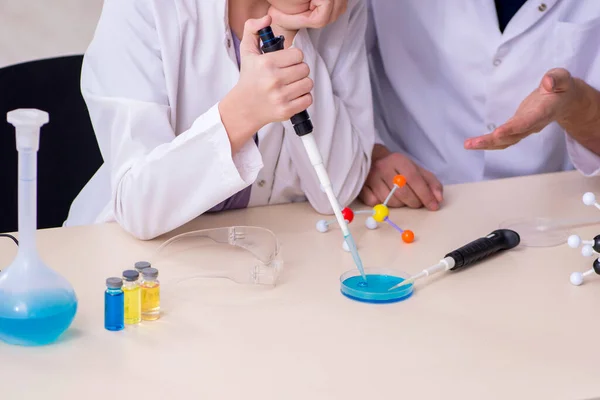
(371, 45)
(341, 114)
(377, 81)
(159, 180)
(587, 162)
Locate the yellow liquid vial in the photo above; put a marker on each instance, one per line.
(150, 300)
(133, 304)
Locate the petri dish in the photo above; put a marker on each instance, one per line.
(546, 231)
(376, 290)
(539, 231)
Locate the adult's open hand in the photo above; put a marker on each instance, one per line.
(552, 101)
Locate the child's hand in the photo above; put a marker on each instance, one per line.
(298, 14)
(272, 87)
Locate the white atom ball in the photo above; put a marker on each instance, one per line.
(370, 223)
(574, 241)
(589, 199)
(345, 246)
(322, 226)
(576, 278)
(587, 250)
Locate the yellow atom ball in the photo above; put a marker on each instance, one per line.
(380, 212)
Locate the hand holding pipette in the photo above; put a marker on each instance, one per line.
(304, 128)
(502, 239)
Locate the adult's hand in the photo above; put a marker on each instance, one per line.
(422, 187)
(297, 14)
(554, 100)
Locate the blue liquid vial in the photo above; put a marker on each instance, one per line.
(114, 306)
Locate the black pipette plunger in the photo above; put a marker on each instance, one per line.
(301, 121)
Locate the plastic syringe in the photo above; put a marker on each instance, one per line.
(477, 250)
(304, 128)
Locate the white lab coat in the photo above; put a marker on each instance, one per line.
(443, 72)
(153, 77)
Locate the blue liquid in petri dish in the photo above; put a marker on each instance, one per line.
(376, 289)
(48, 316)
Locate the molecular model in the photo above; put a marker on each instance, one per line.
(589, 248)
(379, 213)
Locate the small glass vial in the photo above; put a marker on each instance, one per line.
(150, 294)
(141, 265)
(113, 305)
(133, 297)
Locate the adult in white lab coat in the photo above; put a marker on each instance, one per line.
(446, 73)
(175, 118)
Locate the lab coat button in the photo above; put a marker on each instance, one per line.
(228, 43)
(497, 62)
(491, 127)
(542, 7)
(261, 183)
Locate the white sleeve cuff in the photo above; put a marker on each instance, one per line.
(586, 161)
(243, 165)
(378, 139)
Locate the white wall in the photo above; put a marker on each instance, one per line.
(33, 29)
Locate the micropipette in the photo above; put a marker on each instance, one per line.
(304, 128)
(477, 250)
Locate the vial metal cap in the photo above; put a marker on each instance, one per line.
(140, 265)
(150, 273)
(131, 275)
(114, 283)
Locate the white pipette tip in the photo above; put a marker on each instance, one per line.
(354, 250)
(403, 283)
(446, 264)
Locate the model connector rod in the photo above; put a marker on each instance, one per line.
(477, 250)
(304, 128)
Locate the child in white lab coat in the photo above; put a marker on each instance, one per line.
(190, 119)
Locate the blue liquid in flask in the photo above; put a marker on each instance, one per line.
(376, 289)
(46, 317)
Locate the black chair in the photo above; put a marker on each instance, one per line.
(68, 156)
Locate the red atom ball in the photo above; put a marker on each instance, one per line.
(348, 214)
(408, 236)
